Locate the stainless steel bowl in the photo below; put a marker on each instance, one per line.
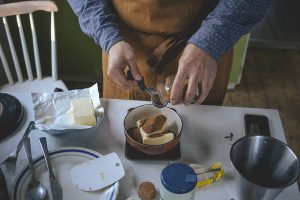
(264, 166)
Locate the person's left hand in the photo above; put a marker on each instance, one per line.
(200, 69)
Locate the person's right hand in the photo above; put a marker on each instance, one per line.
(120, 56)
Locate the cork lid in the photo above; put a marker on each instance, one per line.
(147, 191)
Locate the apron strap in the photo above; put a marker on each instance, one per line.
(165, 53)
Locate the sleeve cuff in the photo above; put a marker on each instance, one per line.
(210, 41)
(206, 47)
(111, 37)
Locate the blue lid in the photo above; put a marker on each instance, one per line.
(178, 178)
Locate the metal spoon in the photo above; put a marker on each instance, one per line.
(210, 170)
(155, 96)
(35, 190)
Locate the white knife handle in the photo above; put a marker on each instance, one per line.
(43, 142)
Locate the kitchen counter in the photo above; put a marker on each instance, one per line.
(203, 142)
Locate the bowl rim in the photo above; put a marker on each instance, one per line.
(268, 138)
(152, 145)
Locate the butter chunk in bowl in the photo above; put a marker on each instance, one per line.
(154, 130)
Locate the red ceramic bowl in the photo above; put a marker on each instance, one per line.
(174, 124)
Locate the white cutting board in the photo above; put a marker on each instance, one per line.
(98, 173)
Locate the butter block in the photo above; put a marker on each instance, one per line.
(162, 139)
(145, 135)
(83, 111)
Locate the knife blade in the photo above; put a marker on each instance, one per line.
(3, 187)
(56, 190)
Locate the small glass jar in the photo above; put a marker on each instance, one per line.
(178, 182)
(164, 89)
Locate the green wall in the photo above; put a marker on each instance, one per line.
(239, 54)
(79, 58)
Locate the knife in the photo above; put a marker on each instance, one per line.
(56, 190)
(3, 188)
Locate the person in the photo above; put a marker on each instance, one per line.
(154, 39)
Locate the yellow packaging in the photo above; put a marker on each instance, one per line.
(208, 175)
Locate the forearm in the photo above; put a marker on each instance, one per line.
(98, 20)
(227, 23)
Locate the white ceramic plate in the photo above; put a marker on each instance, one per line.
(62, 161)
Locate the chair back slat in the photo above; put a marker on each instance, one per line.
(5, 65)
(26, 7)
(13, 51)
(24, 48)
(35, 48)
(53, 48)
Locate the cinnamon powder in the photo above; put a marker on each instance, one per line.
(135, 134)
(153, 124)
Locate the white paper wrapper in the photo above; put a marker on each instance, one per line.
(52, 111)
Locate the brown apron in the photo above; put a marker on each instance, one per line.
(158, 30)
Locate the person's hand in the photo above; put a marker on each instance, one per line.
(120, 56)
(200, 69)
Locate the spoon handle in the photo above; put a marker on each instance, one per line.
(141, 83)
(43, 142)
(26, 143)
(210, 170)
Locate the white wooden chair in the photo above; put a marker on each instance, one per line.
(38, 84)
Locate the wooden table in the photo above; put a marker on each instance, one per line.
(203, 142)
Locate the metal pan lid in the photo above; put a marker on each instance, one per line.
(11, 114)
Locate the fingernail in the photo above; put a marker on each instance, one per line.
(199, 101)
(187, 104)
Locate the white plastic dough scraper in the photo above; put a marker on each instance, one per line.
(98, 173)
